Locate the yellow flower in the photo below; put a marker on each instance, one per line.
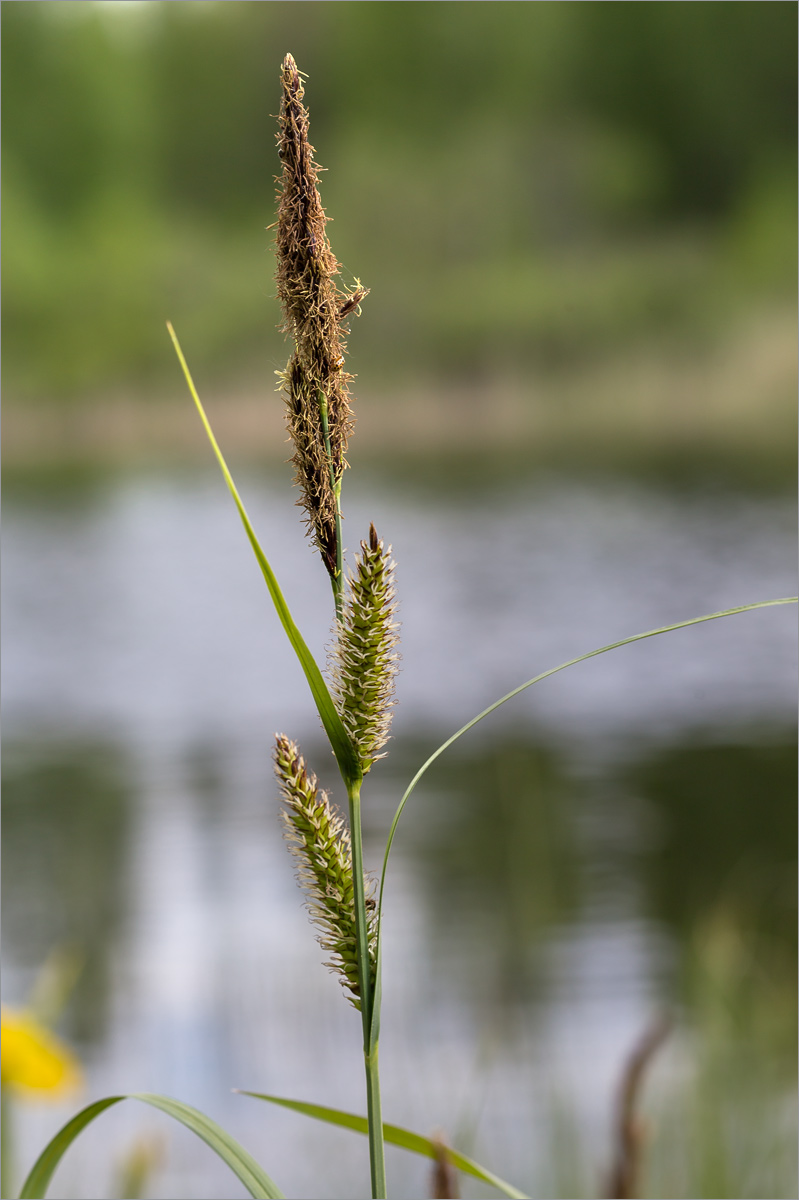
(33, 1059)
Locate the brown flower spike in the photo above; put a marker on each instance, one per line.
(315, 383)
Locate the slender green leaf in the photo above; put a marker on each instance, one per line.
(636, 637)
(35, 1186)
(345, 752)
(254, 1178)
(377, 994)
(396, 1135)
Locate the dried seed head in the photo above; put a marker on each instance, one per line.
(311, 459)
(353, 301)
(320, 843)
(313, 308)
(362, 662)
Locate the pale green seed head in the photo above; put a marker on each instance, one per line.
(362, 660)
(320, 844)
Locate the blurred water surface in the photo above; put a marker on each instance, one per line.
(616, 841)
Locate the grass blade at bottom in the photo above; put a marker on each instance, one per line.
(395, 1135)
(254, 1178)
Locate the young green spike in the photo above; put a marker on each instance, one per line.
(362, 661)
(320, 843)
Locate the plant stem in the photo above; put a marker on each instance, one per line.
(373, 1107)
(338, 580)
(7, 1146)
(374, 1113)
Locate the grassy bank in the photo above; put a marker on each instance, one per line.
(726, 408)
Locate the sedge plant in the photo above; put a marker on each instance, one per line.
(355, 698)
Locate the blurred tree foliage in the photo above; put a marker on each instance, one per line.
(512, 180)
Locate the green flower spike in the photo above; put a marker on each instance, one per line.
(361, 662)
(320, 843)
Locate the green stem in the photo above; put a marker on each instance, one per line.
(375, 1117)
(7, 1168)
(370, 1048)
(338, 580)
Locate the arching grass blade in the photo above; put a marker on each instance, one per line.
(343, 748)
(406, 1139)
(254, 1178)
(636, 637)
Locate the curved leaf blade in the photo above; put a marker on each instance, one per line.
(377, 994)
(406, 1139)
(346, 755)
(636, 637)
(251, 1174)
(38, 1180)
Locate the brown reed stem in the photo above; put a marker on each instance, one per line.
(444, 1176)
(630, 1133)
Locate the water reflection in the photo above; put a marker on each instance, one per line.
(516, 867)
(727, 832)
(495, 851)
(66, 829)
(619, 838)
(721, 878)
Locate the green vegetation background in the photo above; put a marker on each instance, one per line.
(522, 185)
